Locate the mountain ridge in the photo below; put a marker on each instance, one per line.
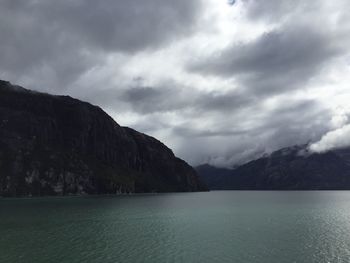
(58, 145)
(290, 168)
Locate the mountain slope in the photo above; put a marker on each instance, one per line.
(290, 168)
(56, 145)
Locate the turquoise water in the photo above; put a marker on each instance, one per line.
(221, 226)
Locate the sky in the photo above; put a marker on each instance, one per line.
(219, 82)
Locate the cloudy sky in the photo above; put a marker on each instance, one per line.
(217, 81)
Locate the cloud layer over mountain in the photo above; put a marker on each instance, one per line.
(218, 81)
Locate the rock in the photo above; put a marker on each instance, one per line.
(57, 145)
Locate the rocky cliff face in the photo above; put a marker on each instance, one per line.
(292, 168)
(56, 145)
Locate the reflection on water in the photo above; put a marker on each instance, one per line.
(222, 226)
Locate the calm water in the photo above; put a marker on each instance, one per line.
(226, 226)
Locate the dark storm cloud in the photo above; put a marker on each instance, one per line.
(222, 102)
(171, 97)
(230, 141)
(147, 100)
(142, 99)
(274, 9)
(162, 99)
(65, 38)
(251, 101)
(278, 61)
(295, 122)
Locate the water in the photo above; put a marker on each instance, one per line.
(222, 226)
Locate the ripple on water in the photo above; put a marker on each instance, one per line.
(232, 226)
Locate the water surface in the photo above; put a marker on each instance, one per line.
(219, 226)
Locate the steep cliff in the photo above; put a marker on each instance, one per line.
(56, 145)
(292, 168)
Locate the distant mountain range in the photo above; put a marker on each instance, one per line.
(57, 145)
(292, 168)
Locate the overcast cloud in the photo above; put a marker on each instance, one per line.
(217, 81)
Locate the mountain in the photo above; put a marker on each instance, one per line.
(57, 145)
(211, 175)
(292, 168)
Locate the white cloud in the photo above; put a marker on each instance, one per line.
(339, 138)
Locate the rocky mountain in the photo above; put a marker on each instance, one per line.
(57, 145)
(292, 168)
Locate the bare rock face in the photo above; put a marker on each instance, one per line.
(57, 145)
(292, 168)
